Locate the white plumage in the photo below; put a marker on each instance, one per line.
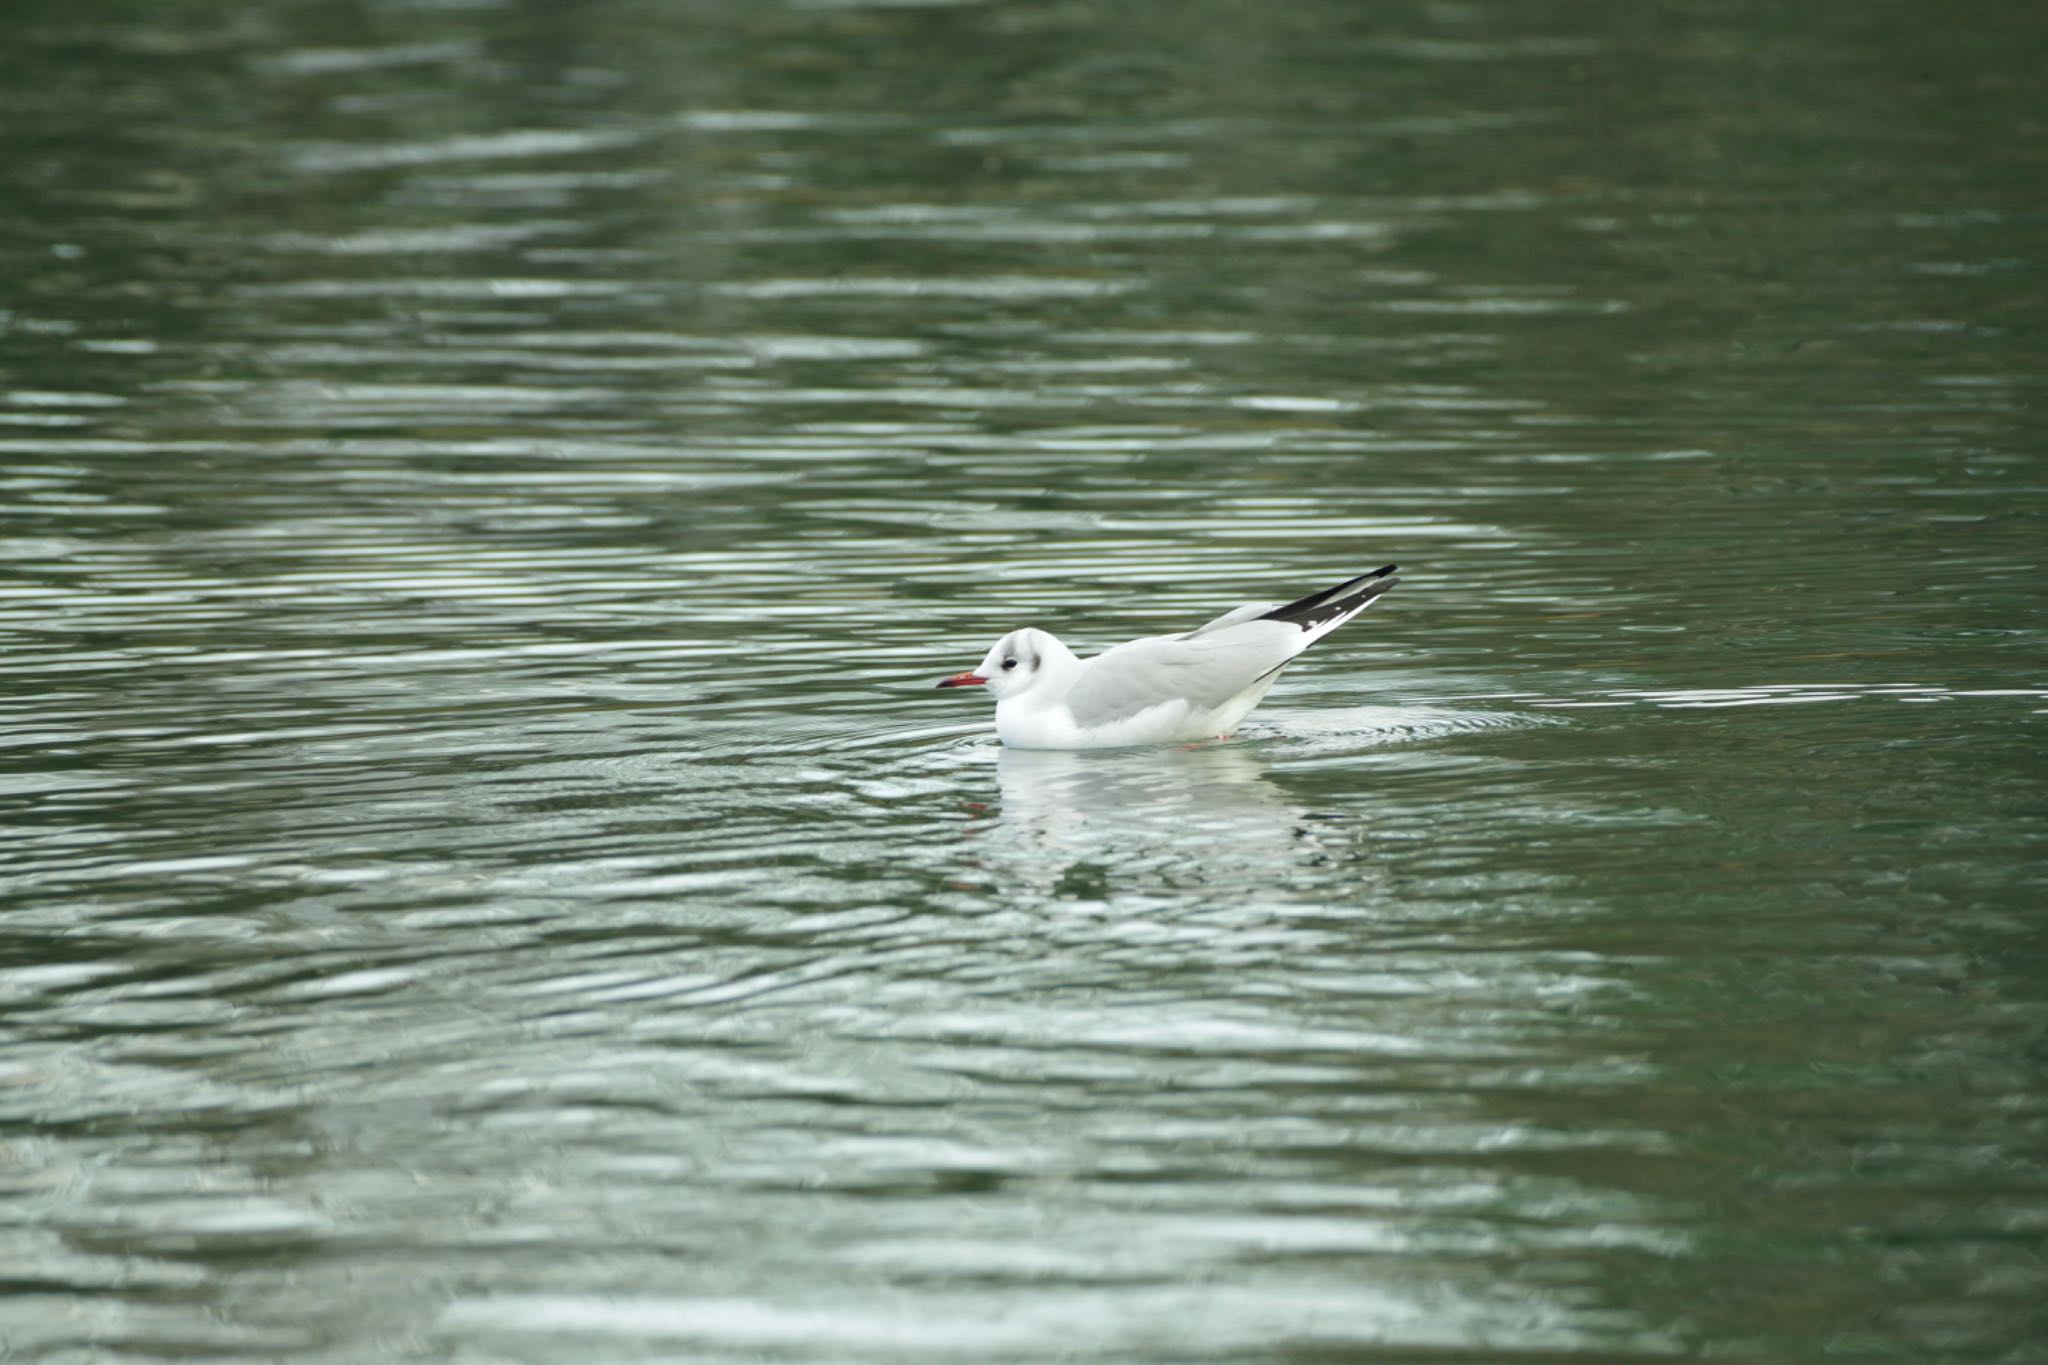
(1163, 689)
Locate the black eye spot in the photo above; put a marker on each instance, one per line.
(1009, 663)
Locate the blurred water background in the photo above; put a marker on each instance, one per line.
(486, 487)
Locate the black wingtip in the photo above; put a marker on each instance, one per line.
(1347, 597)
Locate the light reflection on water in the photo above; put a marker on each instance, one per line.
(486, 493)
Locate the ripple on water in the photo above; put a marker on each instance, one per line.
(1785, 694)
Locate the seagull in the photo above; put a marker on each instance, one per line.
(1164, 689)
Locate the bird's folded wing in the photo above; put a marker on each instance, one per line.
(1202, 670)
(1250, 611)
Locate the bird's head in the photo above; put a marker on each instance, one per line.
(1016, 663)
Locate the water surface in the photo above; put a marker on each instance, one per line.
(487, 490)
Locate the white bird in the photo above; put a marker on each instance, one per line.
(1160, 690)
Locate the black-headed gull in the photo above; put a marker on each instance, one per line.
(1163, 689)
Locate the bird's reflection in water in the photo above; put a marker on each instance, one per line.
(1206, 816)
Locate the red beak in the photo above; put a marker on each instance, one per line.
(967, 679)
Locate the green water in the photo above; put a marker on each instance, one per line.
(486, 490)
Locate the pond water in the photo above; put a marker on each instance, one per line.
(488, 488)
